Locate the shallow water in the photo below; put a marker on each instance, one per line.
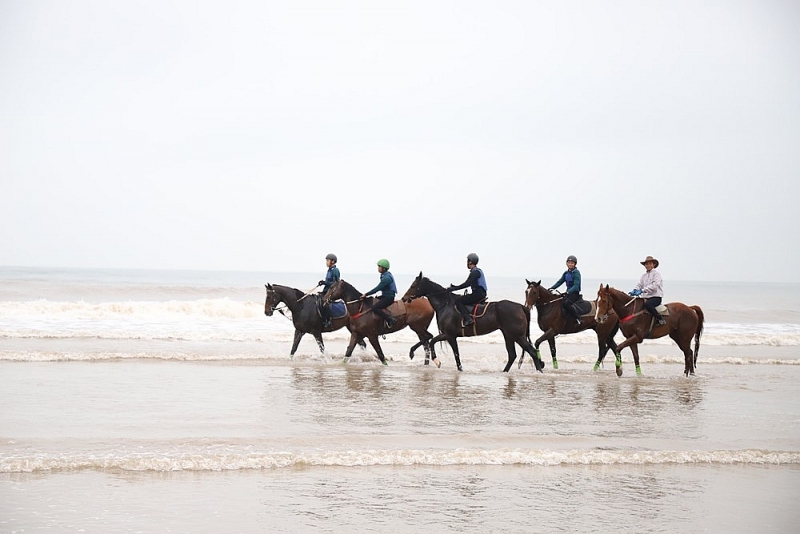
(218, 429)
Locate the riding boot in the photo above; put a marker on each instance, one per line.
(660, 320)
(466, 317)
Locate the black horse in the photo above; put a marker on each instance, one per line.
(305, 314)
(511, 318)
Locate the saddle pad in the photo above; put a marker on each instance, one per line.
(662, 309)
(396, 308)
(338, 309)
(588, 308)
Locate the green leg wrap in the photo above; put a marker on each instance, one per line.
(618, 360)
(596, 366)
(555, 363)
(638, 371)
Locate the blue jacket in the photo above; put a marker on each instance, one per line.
(386, 286)
(330, 277)
(573, 280)
(476, 281)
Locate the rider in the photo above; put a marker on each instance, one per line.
(388, 290)
(476, 281)
(572, 276)
(330, 277)
(650, 288)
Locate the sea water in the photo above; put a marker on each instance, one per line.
(157, 401)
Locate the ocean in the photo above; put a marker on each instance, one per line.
(166, 401)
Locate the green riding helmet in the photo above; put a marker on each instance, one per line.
(383, 262)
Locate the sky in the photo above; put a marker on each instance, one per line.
(260, 136)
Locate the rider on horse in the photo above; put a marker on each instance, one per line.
(330, 277)
(572, 277)
(650, 287)
(476, 281)
(388, 290)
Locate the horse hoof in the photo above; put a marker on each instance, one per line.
(438, 363)
(459, 368)
(619, 371)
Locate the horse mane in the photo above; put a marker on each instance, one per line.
(434, 286)
(347, 287)
(297, 293)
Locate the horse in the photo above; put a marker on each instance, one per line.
(682, 323)
(511, 318)
(552, 321)
(305, 314)
(365, 324)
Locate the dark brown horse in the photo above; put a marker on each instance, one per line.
(552, 321)
(365, 324)
(511, 318)
(305, 314)
(683, 323)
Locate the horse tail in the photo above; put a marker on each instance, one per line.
(699, 330)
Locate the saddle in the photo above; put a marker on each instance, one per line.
(337, 308)
(585, 307)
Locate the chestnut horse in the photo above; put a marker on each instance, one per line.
(305, 315)
(683, 323)
(551, 319)
(365, 324)
(511, 318)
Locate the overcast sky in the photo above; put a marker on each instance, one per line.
(263, 135)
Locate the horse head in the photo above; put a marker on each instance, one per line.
(604, 304)
(532, 293)
(273, 299)
(416, 289)
(334, 292)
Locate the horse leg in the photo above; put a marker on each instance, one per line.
(552, 343)
(618, 351)
(454, 346)
(512, 353)
(297, 336)
(351, 346)
(536, 354)
(320, 344)
(373, 340)
(688, 356)
(635, 351)
(527, 347)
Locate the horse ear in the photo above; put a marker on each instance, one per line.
(527, 281)
(539, 283)
(420, 275)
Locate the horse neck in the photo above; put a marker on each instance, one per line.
(619, 301)
(289, 295)
(438, 296)
(544, 298)
(349, 292)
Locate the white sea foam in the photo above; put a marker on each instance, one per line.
(360, 458)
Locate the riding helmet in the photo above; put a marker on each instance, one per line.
(331, 257)
(383, 262)
(472, 258)
(572, 258)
